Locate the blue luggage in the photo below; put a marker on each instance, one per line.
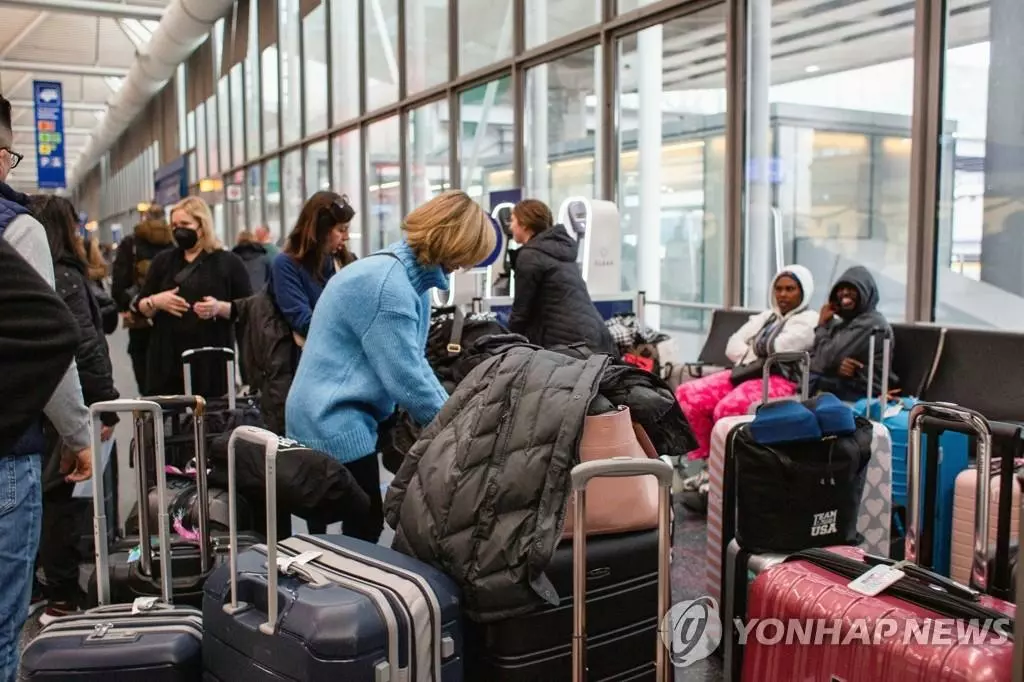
(953, 458)
(335, 608)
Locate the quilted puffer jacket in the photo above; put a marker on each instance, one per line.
(482, 494)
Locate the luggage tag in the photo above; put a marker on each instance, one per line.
(878, 579)
(892, 411)
(144, 604)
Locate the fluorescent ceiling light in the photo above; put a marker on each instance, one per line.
(812, 69)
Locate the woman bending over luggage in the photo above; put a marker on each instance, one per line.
(787, 327)
(365, 350)
(188, 293)
(299, 273)
(552, 306)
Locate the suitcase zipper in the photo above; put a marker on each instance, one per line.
(416, 579)
(100, 631)
(380, 602)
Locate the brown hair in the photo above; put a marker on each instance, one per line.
(450, 230)
(533, 214)
(97, 266)
(59, 220)
(307, 242)
(244, 237)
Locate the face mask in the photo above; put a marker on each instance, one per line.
(186, 238)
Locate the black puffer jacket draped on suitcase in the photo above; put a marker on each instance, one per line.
(267, 352)
(482, 495)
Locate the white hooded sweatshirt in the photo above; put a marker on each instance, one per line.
(797, 326)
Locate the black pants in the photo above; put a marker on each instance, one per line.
(366, 471)
(64, 520)
(138, 347)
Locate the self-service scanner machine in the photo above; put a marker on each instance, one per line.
(594, 224)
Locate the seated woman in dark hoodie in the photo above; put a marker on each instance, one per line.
(551, 305)
(840, 356)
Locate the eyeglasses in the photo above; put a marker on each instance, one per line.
(15, 156)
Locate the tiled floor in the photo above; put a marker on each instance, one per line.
(688, 558)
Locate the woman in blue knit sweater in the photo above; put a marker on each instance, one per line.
(365, 350)
(299, 273)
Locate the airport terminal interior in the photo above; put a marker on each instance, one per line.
(729, 137)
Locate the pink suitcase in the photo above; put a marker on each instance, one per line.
(961, 546)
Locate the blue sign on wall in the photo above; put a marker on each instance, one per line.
(170, 183)
(511, 196)
(48, 97)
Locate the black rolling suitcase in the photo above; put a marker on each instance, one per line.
(134, 573)
(625, 579)
(152, 639)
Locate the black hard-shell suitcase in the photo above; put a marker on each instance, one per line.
(624, 578)
(151, 639)
(133, 573)
(329, 608)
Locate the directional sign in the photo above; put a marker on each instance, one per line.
(48, 97)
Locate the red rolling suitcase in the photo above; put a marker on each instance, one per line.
(921, 627)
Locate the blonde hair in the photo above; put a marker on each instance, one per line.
(450, 230)
(199, 211)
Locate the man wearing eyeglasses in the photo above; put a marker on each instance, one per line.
(21, 496)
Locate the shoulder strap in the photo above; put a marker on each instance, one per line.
(189, 269)
(455, 340)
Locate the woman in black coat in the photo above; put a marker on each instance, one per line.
(65, 517)
(552, 306)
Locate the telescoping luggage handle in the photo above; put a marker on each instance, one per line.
(269, 441)
(883, 396)
(189, 356)
(100, 530)
(1018, 643)
(965, 421)
(619, 467)
(802, 357)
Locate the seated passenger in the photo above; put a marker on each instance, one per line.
(842, 338)
(551, 305)
(787, 327)
(365, 353)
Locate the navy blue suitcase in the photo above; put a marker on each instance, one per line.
(336, 608)
(150, 639)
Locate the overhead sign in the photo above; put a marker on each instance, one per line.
(48, 98)
(170, 183)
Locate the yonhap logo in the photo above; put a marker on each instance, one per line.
(691, 630)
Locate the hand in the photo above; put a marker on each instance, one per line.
(826, 314)
(106, 433)
(76, 465)
(169, 302)
(848, 367)
(209, 308)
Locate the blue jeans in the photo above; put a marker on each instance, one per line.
(21, 513)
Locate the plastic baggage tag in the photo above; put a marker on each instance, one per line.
(144, 604)
(284, 564)
(892, 411)
(877, 579)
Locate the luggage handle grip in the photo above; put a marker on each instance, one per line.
(923, 574)
(973, 423)
(803, 357)
(100, 530)
(180, 403)
(269, 441)
(616, 467)
(229, 360)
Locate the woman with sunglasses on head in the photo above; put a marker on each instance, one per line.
(187, 294)
(299, 273)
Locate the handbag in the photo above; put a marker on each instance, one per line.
(616, 505)
(751, 370)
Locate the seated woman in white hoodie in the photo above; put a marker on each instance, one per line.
(788, 326)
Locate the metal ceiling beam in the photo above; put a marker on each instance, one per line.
(24, 33)
(67, 131)
(93, 8)
(63, 69)
(68, 106)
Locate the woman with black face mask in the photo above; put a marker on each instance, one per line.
(187, 294)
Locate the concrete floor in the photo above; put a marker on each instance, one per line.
(689, 540)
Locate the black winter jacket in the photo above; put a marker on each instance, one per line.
(92, 354)
(268, 353)
(482, 494)
(850, 337)
(257, 263)
(552, 306)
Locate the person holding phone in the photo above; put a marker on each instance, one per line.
(842, 339)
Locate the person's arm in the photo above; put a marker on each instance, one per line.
(528, 276)
(393, 347)
(290, 295)
(37, 343)
(739, 343)
(239, 287)
(66, 409)
(152, 299)
(94, 369)
(123, 279)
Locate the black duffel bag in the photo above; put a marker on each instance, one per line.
(802, 493)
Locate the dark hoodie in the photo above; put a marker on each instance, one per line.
(848, 335)
(257, 263)
(552, 306)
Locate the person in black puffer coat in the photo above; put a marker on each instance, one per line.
(66, 519)
(551, 305)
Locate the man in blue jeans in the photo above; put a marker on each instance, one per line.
(38, 378)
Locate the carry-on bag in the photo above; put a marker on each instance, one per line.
(905, 602)
(133, 570)
(150, 639)
(581, 476)
(325, 608)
